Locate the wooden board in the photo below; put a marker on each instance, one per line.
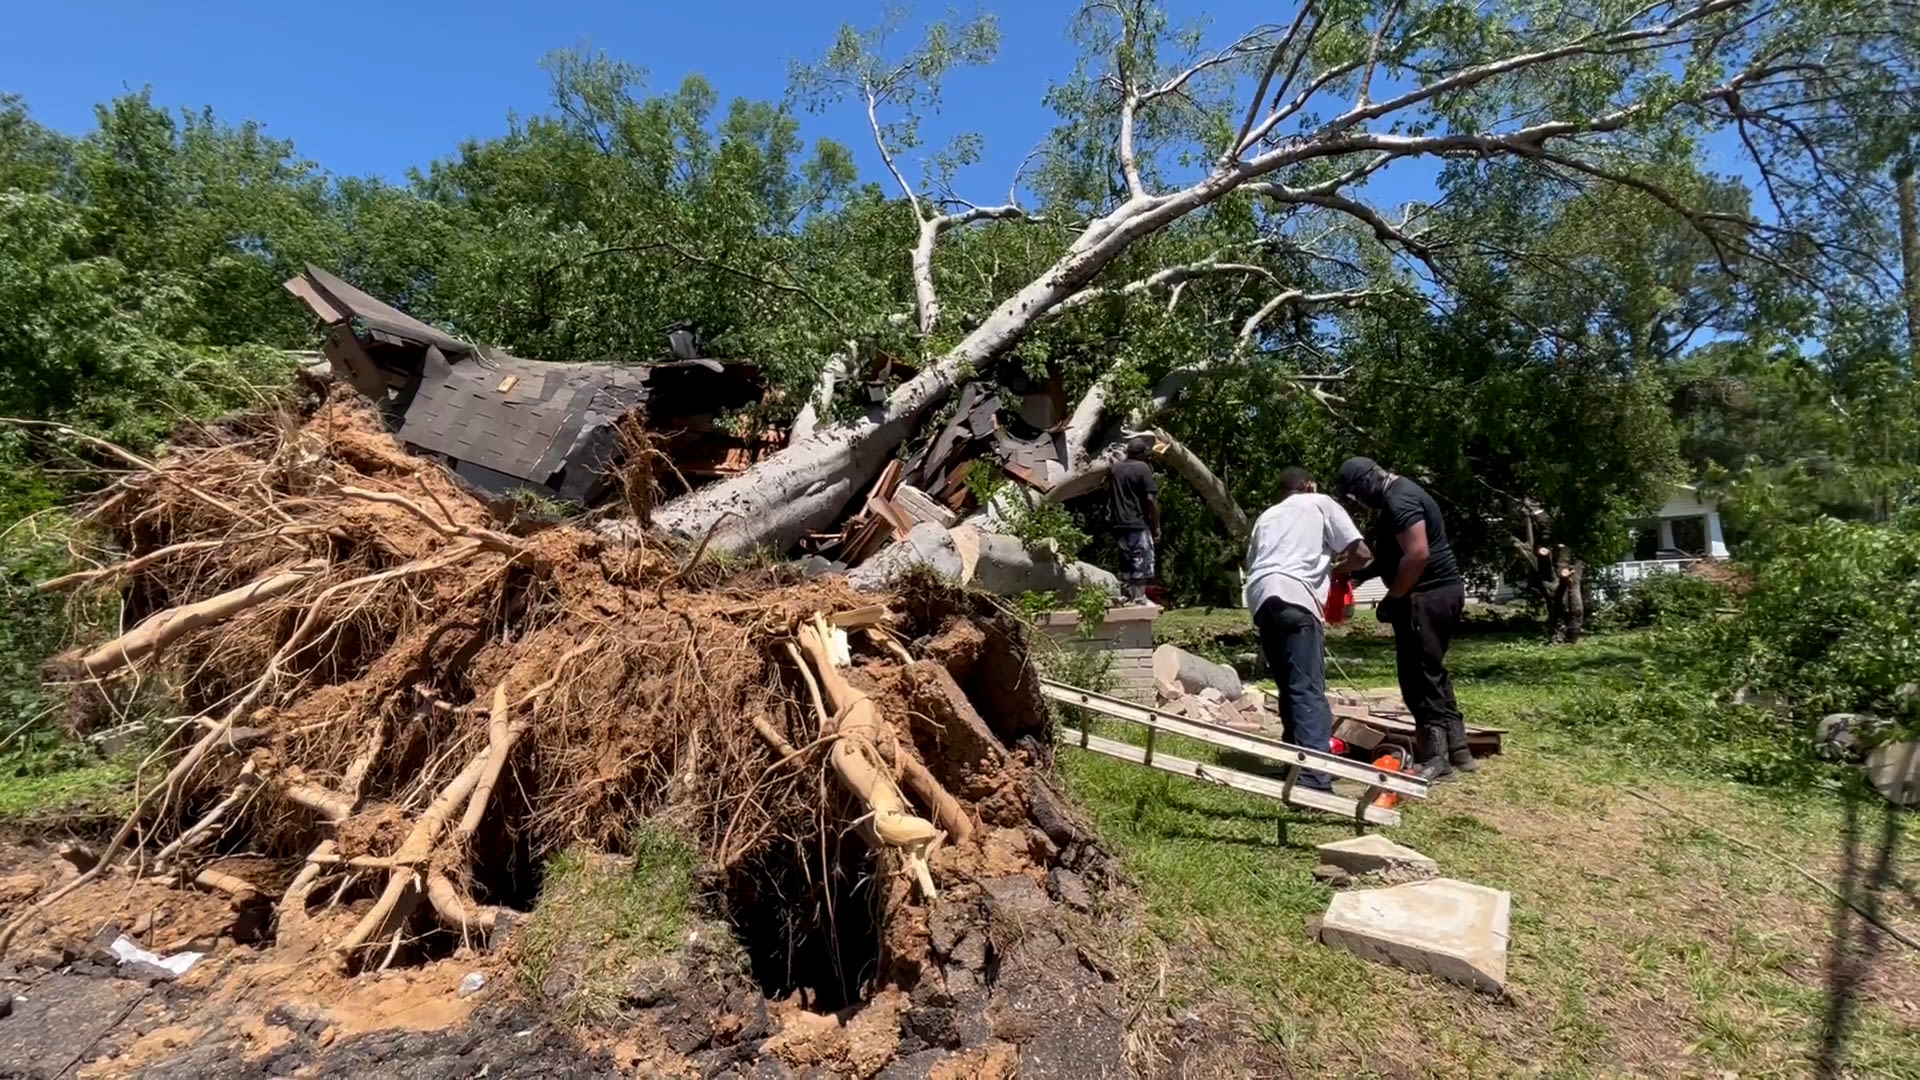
(1398, 724)
(1483, 741)
(1239, 781)
(920, 506)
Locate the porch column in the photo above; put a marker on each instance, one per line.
(1716, 544)
(1666, 534)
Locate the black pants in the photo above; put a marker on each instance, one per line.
(1294, 643)
(1423, 625)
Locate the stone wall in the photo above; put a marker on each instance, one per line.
(1126, 634)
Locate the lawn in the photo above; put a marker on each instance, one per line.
(1644, 942)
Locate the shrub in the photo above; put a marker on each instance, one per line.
(1664, 599)
(1829, 622)
(1832, 620)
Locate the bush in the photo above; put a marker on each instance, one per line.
(1665, 599)
(1830, 622)
(33, 626)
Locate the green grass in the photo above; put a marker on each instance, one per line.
(600, 918)
(100, 789)
(1643, 945)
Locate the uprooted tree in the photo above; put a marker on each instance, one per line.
(400, 711)
(1289, 123)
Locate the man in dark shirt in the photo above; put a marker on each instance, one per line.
(1132, 496)
(1425, 597)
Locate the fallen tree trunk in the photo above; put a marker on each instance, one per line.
(807, 485)
(991, 561)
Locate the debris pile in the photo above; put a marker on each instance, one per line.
(504, 424)
(582, 432)
(939, 484)
(390, 712)
(1368, 721)
(1199, 689)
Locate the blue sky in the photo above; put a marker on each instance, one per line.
(365, 87)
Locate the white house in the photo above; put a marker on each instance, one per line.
(1684, 530)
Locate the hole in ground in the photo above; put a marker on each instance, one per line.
(800, 934)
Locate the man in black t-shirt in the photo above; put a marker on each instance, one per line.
(1133, 500)
(1425, 597)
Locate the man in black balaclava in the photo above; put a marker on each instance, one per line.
(1425, 596)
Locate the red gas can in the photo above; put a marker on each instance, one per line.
(1339, 600)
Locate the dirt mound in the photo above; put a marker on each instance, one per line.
(398, 713)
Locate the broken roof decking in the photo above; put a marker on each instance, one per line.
(517, 420)
(387, 323)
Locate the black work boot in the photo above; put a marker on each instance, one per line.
(1458, 754)
(1430, 751)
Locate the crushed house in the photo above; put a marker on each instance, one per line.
(503, 423)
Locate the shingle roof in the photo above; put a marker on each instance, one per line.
(382, 318)
(531, 429)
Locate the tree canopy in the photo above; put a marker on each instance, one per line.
(1588, 305)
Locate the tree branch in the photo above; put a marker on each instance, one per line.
(1168, 277)
(1302, 298)
(886, 155)
(925, 297)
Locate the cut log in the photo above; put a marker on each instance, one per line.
(1173, 664)
(166, 627)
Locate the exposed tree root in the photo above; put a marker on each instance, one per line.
(169, 626)
(856, 760)
(406, 733)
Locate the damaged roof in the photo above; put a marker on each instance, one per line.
(335, 301)
(524, 418)
(517, 421)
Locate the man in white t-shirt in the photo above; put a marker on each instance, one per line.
(1296, 545)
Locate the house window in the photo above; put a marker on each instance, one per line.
(1690, 535)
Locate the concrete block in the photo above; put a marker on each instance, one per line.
(1455, 930)
(1375, 854)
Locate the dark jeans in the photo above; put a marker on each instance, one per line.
(1423, 624)
(1136, 561)
(1294, 643)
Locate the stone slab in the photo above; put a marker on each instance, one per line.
(1894, 769)
(1454, 930)
(1375, 854)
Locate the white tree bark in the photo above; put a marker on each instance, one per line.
(808, 420)
(1187, 465)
